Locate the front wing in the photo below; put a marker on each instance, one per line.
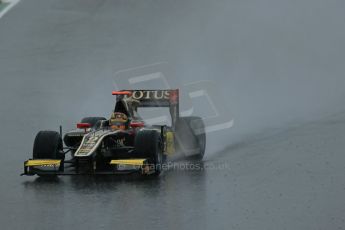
(60, 167)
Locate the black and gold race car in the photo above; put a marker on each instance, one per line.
(122, 144)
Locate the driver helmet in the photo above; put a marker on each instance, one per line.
(118, 121)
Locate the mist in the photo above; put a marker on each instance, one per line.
(268, 66)
(275, 62)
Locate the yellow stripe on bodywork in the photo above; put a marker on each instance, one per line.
(170, 143)
(43, 163)
(135, 162)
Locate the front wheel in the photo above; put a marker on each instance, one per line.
(148, 144)
(48, 145)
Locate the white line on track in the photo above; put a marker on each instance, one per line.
(11, 3)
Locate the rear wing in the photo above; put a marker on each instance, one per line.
(150, 98)
(153, 98)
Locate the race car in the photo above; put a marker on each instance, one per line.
(124, 143)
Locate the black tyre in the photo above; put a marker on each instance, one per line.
(93, 120)
(191, 137)
(48, 145)
(148, 144)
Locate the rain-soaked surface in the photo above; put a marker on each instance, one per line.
(58, 60)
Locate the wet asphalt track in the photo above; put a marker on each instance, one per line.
(56, 59)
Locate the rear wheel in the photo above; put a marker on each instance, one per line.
(191, 137)
(148, 144)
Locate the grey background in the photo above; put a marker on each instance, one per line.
(279, 64)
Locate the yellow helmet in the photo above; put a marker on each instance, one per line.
(118, 121)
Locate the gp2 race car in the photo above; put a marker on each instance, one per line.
(122, 144)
